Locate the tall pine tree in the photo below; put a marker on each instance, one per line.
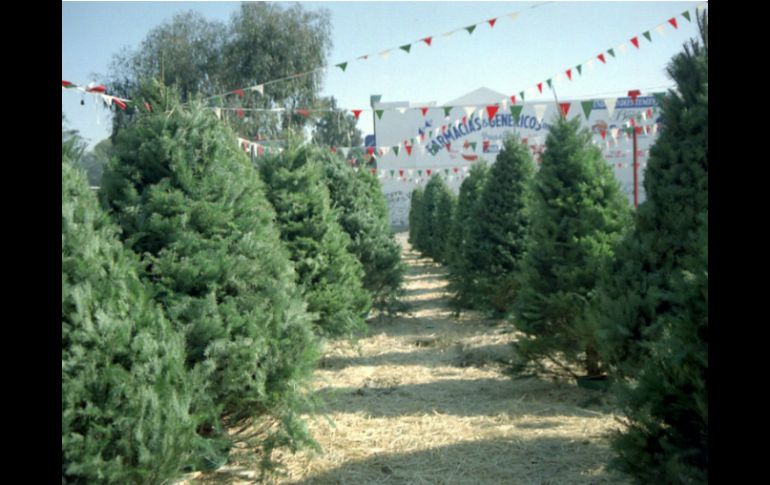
(499, 226)
(330, 276)
(653, 311)
(438, 206)
(577, 212)
(415, 217)
(190, 201)
(125, 393)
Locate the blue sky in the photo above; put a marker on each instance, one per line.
(512, 56)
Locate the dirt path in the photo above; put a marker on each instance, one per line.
(423, 400)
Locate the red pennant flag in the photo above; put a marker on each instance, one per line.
(486, 145)
(120, 103)
(374, 171)
(632, 121)
(408, 149)
(456, 169)
(357, 112)
(96, 89)
(334, 149)
(524, 141)
(65, 84)
(304, 112)
(370, 150)
(401, 173)
(634, 94)
(245, 145)
(601, 58)
(513, 99)
(239, 92)
(569, 74)
(672, 21)
(635, 41)
(565, 108)
(603, 133)
(260, 150)
(492, 22)
(465, 118)
(620, 165)
(424, 110)
(240, 113)
(491, 110)
(428, 172)
(427, 40)
(540, 87)
(448, 147)
(647, 129)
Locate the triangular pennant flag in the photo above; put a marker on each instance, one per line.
(408, 149)
(590, 64)
(611, 52)
(672, 21)
(565, 108)
(649, 112)
(239, 92)
(342, 65)
(424, 110)
(428, 40)
(379, 113)
(446, 171)
(513, 15)
(579, 68)
(259, 88)
(513, 99)
(660, 28)
(622, 48)
(516, 112)
(540, 111)
(492, 22)
(363, 58)
(449, 147)
(401, 172)
(614, 133)
(540, 87)
(370, 150)
(218, 113)
(491, 110)
(395, 149)
(569, 74)
(449, 34)
(304, 112)
(384, 151)
(356, 112)
(601, 58)
(603, 133)
(588, 106)
(447, 109)
(550, 85)
(647, 35)
(485, 146)
(240, 113)
(385, 54)
(473, 145)
(374, 171)
(686, 14)
(521, 94)
(419, 172)
(469, 110)
(120, 103)
(428, 171)
(333, 149)
(406, 48)
(470, 29)
(67, 84)
(401, 110)
(345, 151)
(610, 103)
(392, 173)
(455, 170)
(634, 94)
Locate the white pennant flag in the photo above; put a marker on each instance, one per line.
(410, 172)
(382, 173)
(622, 48)
(401, 110)
(644, 116)
(590, 64)
(469, 110)
(660, 30)
(218, 113)
(385, 54)
(614, 133)
(513, 15)
(557, 78)
(344, 151)
(384, 151)
(540, 111)
(610, 103)
(449, 34)
(259, 88)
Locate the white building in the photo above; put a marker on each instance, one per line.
(417, 140)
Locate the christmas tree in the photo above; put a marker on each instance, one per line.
(499, 226)
(577, 213)
(330, 276)
(125, 392)
(437, 211)
(189, 200)
(415, 217)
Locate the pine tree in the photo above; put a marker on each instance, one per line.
(363, 213)
(577, 213)
(330, 276)
(415, 216)
(125, 392)
(653, 311)
(499, 226)
(438, 207)
(189, 200)
(463, 276)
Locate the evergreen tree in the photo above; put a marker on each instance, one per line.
(462, 273)
(438, 207)
(415, 216)
(577, 213)
(330, 276)
(190, 201)
(363, 213)
(653, 310)
(125, 392)
(499, 225)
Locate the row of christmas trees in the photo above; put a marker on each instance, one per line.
(196, 292)
(590, 285)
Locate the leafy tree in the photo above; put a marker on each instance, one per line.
(498, 228)
(463, 277)
(336, 128)
(577, 213)
(330, 276)
(189, 200)
(125, 392)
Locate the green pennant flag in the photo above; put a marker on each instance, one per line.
(473, 145)
(395, 150)
(446, 171)
(343, 66)
(587, 107)
(379, 113)
(647, 34)
(447, 109)
(419, 172)
(411, 141)
(686, 14)
(430, 134)
(579, 69)
(406, 48)
(470, 29)
(516, 112)
(611, 52)
(549, 83)
(392, 172)
(521, 95)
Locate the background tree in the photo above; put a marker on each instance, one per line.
(577, 214)
(498, 227)
(336, 128)
(125, 392)
(330, 276)
(436, 218)
(94, 161)
(189, 200)
(415, 217)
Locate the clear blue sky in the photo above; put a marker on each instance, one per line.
(508, 58)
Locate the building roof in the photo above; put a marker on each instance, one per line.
(478, 97)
